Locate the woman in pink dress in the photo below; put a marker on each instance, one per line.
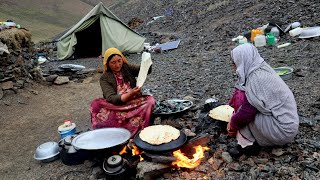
(122, 105)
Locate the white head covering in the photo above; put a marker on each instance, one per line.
(247, 59)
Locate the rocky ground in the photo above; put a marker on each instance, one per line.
(199, 69)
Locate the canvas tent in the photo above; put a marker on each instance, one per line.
(99, 30)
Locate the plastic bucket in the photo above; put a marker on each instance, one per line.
(64, 134)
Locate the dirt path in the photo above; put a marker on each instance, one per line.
(28, 120)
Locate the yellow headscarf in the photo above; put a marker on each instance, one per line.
(110, 52)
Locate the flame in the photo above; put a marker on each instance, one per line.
(136, 151)
(124, 150)
(184, 161)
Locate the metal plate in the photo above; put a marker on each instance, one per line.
(173, 101)
(162, 147)
(101, 138)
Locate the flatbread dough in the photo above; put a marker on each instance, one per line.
(159, 134)
(223, 113)
(146, 62)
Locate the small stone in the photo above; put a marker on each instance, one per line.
(1, 94)
(215, 163)
(88, 80)
(260, 160)
(35, 92)
(51, 78)
(278, 152)
(157, 121)
(189, 133)
(235, 167)
(61, 80)
(7, 85)
(226, 157)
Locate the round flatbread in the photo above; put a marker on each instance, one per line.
(223, 113)
(159, 134)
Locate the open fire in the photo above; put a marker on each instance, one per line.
(185, 162)
(182, 160)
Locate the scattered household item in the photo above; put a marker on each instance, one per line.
(41, 59)
(260, 40)
(169, 45)
(103, 138)
(72, 67)
(99, 25)
(310, 32)
(172, 106)
(222, 113)
(210, 104)
(296, 31)
(240, 39)
(283, 45)
(270, 39)
(10, 24)
(275, 31)
(292, 26)
(115, 167)
(69, 154)
(47, 152)
(254, 33)
(284, 72)
(66, 129)
(276, 23)
(146, 62)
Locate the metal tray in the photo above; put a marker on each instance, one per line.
(172, 101)
(101, 138)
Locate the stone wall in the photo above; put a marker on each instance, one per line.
(19, 66)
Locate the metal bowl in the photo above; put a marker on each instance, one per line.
(310, 32)
(47, 152)
(285, 76)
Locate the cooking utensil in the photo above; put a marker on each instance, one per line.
(101, 138)
(162, 147)
(172, 106)
(47, 152)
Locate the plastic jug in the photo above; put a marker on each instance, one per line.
(260, 40)
(270, 39)
(295, 32)
(254, 33)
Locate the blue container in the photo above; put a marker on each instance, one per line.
(64, 134)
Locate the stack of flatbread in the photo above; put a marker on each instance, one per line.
(223, 113)
(159, 134)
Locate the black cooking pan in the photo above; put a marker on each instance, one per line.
(162, 147)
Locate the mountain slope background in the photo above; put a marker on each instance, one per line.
(46, 18)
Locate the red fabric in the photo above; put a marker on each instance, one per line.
(134, 115)
(244, 112)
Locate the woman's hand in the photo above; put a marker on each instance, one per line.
(231, 131)
(130, 94)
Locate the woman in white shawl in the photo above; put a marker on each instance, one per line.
(275, 121)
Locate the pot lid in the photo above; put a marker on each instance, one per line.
(101, 138)
(114, 161)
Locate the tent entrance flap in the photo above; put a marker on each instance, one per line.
(89, 41)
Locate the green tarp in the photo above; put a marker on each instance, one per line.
(99, 30)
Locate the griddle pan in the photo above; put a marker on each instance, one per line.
(162, 147)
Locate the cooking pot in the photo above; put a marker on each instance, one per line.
(101, 142)
(170, 146)
(69, 154)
